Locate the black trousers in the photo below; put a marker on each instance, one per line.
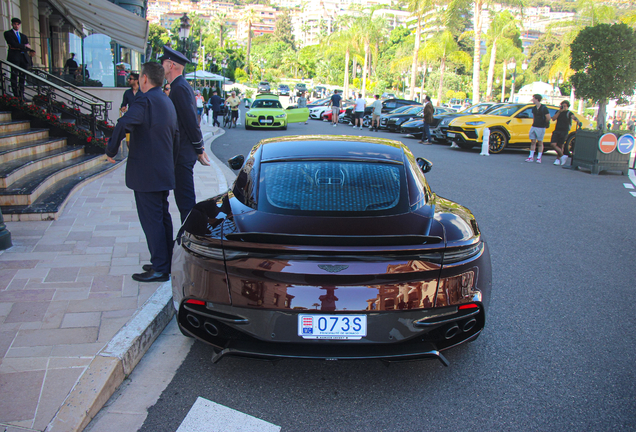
(152, 208)
(216, 114)
(18, 89)
(184, 188)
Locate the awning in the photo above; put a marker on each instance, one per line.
(104, 17)
(204, 75)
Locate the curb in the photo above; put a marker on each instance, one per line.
(118, 358)
(113, 363)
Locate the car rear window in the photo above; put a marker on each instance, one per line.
(325, 187)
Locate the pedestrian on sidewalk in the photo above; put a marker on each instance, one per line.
(200, 101)
(190, 148)
(335, 107)
(302, 101)
(377, 110)
(540, 122)
(150, 172)
(429, 111)
(563, 118)
(233, 103)
(358, 113)
(215, 103)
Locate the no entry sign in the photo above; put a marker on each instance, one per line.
(607, 143)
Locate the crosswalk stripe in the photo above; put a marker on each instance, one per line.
(208, 416)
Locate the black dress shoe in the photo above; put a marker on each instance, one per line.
(151, 276)
(147, 267)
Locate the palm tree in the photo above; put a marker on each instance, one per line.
(502, 26)
(368, 30)
(478, 20)
(448, 50)
(249, 17)
(219, 24)
(341, 41)
(418, 9)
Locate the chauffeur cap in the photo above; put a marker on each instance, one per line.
(175, 56)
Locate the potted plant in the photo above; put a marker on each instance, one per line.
(604, 58)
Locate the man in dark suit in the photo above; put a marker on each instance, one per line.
(152, 123)
(215, 102)
(18, 54)
(190, 147)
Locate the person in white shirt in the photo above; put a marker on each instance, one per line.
(358, 113)
(377, 110)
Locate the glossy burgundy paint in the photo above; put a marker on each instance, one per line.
(257, 270)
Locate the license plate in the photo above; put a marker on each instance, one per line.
(267, 121)
(341, 327)
(450, 135)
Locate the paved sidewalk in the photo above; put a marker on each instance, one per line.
(66, 290)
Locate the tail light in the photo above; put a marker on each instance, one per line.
(458, 289)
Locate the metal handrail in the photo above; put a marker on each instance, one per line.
(51, 77)
(55, 93)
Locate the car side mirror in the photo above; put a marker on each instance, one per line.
(523, 115)
(424, 164)
(236, 162)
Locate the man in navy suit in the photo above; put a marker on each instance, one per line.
(151, 121)
(190, 147)
(18, 54)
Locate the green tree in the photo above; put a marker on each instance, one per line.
(448, 51)
(504, 25)
(157, 38)
(249, 17)
(284, 29)
(604, 58)
(478, 22)
(341, 41)
(418, 9)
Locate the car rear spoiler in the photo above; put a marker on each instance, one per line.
(321, 240)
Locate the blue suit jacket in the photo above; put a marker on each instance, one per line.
(191, 139)
(152, 123)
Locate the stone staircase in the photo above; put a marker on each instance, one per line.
(39, 173)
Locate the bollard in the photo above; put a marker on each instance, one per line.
(485, 144)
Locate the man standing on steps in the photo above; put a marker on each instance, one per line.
(18, 54)
(152, 123)
(190, 148)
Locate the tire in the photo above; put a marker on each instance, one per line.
(570, 142)
(284, 127)
(498, 141)
(248, 127)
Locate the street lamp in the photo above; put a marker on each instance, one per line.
(184, 31)
(513, 67)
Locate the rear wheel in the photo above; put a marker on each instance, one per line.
(498, 141)
(570, 142)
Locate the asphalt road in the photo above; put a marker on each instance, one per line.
(558, 350)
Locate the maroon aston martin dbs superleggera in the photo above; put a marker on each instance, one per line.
(331, 247)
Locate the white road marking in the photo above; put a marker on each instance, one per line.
(633, 193)
(628, 185)
(207, 416)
